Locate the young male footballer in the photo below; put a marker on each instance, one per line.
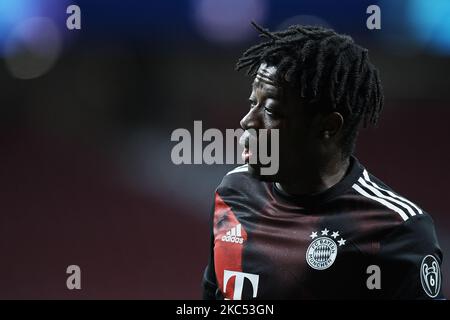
(322, 227)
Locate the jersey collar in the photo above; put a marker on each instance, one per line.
(354, 171)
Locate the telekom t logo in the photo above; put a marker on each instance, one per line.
(239, 282)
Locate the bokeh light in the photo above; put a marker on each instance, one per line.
(32, 48)
(227, 21)
(430, 23)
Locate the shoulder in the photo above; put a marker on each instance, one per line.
(417, 236)
(238, 171)
(397, 222)
(238, 179)
(408, 252)
(384, 198)
(410, 259)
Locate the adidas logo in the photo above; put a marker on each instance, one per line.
(234, 235)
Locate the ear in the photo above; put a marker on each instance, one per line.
(331, 125)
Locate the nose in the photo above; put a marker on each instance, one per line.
(251, 120)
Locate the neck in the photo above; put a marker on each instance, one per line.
(318, 178)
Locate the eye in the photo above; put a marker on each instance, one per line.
(269, 111)
(253, 103)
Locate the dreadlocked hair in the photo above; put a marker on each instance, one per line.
(330, 72)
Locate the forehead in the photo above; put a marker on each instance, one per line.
(267, 74)
(266, 79)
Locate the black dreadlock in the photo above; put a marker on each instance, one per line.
(329, 69)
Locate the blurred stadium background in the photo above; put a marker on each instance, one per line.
(86, 118)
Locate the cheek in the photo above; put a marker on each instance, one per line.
(272, 123)
(294, 132)
(294, 141)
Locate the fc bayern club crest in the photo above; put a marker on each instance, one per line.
(323, 249)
